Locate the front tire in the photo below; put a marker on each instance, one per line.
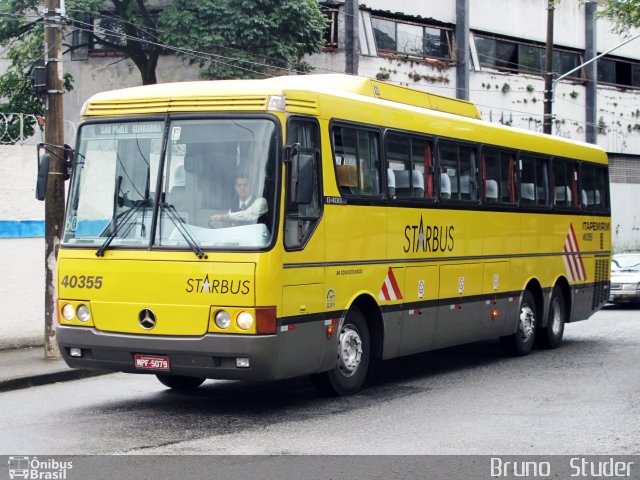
(180, 382)
(352, 361)
(521, 342)
(551, 335)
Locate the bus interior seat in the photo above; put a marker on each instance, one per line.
(491, 191)
(391, 182)
(467, 188)
(445, 186)
(403, 187)
(417, 181)
(528, 193)
(584, 198)
(563, 196)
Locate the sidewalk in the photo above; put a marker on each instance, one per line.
(27, 367)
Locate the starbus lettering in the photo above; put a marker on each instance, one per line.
(429, 238)
(220, 286)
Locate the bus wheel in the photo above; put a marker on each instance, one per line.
(521, 342)
(352, 361)
(551, 335)
(180, 382)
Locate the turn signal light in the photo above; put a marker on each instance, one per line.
(494, 313)
(266, 320)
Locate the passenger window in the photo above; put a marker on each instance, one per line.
(457, 164)
(499, 176)
(565, 183)
(409, 167)
(593, 187)
(356, 154)
(534, 181)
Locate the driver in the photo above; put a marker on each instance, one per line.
(247, 209)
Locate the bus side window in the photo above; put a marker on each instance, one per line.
(534, 178)
(593, 181)
(356, 153)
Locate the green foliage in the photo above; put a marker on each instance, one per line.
(624, 14)
(252, 39)
(22, 41)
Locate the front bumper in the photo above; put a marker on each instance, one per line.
(208, 356)
(624, 296)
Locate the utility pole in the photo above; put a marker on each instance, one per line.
(54, 136)
(591, 51)
(462, 49)
(548, 72)
(351, 50)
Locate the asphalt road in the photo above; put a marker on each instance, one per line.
(580, 399)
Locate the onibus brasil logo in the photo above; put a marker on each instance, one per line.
(32, 468)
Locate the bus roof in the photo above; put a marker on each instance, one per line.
(212, 95)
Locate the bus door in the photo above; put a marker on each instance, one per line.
(303, 292)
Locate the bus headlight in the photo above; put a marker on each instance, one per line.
(83, 313)
(244, 320)
(222, 319)
(68, 312)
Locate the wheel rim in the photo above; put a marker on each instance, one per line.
(349, 350)
(556, 318)
(527, 322)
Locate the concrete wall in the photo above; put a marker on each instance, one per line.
(625, 216)
(21, 259)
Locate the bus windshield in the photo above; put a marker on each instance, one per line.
(213, 188)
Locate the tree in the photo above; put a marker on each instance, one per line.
(234, 38)
(245, 38)
(132, 31)
(624, 14)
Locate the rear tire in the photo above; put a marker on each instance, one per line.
(180, 382)
(521, 342)
(551, 335)
(352, 360)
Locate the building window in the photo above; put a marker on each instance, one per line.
(107, 33)
(618, 72)
(413, 39)
(331, 31)
(523, 57)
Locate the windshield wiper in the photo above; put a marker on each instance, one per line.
(181, 226)
(119, 220)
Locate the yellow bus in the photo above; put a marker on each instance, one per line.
(315, 225)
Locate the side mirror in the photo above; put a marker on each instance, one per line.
(301, 178)
(43, 176)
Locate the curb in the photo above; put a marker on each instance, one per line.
(47, 378)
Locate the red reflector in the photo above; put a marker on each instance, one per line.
(266, 320)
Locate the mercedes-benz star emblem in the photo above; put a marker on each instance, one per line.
(147, 318)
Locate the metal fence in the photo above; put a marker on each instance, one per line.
(23, 129)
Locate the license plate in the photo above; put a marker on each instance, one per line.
(152, 362)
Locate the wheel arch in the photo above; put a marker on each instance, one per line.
(563, 284)
(533, 285)
(373, 316)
